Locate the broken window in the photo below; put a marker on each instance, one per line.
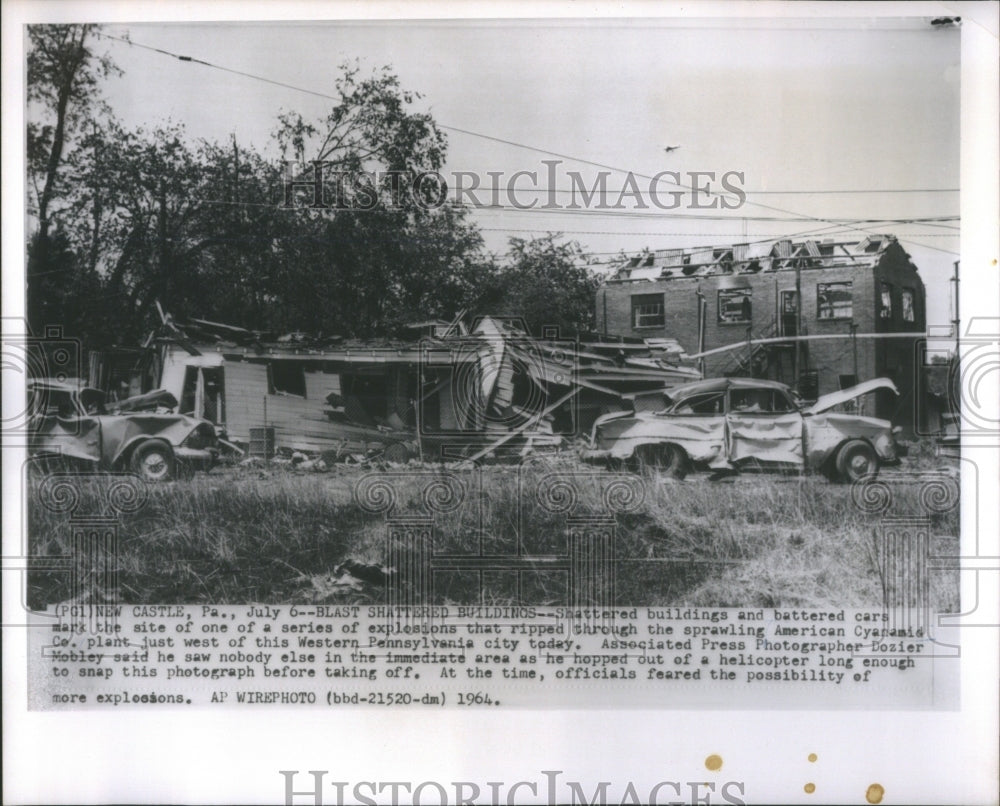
(202, 394)
(704, 403)
(759, 401)
(885, 302)
(286, 378)
(909, 310)
(188, 390)
(835, 300)
(647, 310)
(735, 305)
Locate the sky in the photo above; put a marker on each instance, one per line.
(802, 108)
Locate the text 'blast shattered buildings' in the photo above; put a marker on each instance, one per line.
(857, 307)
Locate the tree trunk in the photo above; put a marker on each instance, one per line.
(63, 93)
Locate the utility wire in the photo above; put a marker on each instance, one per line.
(702, 234)
(468, 132)
(928, 221)
(641, 192)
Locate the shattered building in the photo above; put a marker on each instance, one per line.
(859, 306)
(447, 392)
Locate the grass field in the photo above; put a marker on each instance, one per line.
(241, 535)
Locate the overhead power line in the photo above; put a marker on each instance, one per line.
(702, 234)
(735, 217)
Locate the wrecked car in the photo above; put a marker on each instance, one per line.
(729, 423)
(77, 425)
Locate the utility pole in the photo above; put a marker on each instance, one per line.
(702, 308)
(749, 351)
(956, 321)
(236, 173)
(955, 370)
(798, 324)
(854, 350)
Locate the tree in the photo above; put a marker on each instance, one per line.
(545, 282)
(62, 79)
(385, 251)
(370, 126)
(64, 293)
(147, 215)
(63, 75)
(134, 209)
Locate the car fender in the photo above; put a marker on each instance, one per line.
(826, 433)
(123, 433)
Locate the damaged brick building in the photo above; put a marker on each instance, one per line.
(861, 316)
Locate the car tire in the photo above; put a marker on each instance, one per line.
(154, 461)
(856, 460)
(668, 459)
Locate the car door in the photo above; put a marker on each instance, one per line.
(763, 424)
(698, 424)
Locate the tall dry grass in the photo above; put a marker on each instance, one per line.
(239, 536)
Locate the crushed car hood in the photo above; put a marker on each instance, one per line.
(827, 402)
(150, 401)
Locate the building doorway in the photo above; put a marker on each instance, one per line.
(788, 313)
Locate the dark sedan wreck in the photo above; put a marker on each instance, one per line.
(75, 424)
(728, 423)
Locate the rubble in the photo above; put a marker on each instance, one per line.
(486, 392)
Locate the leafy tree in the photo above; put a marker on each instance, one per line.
(545, 282)
(64, 293)
(147, 215)
(143, 191)
(63, 74)
(371, 125)
(389, 253)
(63, 77)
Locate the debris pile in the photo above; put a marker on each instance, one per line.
(451, 392)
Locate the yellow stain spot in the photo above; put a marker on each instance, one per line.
(875, 793)
(713, 762)
(813, 756)
(809, 788)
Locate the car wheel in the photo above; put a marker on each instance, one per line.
(856, 460)
(670, 460)
(154, 460)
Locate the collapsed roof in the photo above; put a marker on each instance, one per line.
(606, 364)
(492, 384)
(750, 258)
